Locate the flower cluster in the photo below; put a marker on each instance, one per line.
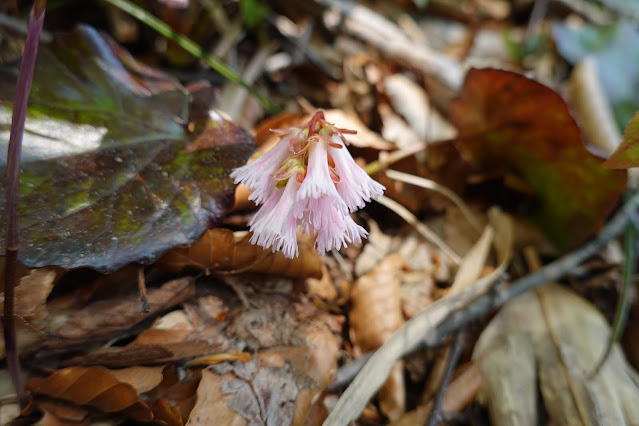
(310, 180)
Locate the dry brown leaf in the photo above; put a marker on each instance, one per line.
(30, 308)
(135, 354)
(152, 336)
(56, 413)
(555, 334)
(94, 387)
(29, 338)
(410, 100)
(31, 293)
(168, 414)
(173, 327)
(460, 392)
(376, 310)
(212, 406)
(376, 248)
(221, 250)
(279, 387)
(375, 314)
(322, 291)
(365, 138)
(143, 379)
(104, 318)
(174, 398)
(473, 262)
(295, 349)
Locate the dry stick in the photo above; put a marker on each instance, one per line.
(437, 415)
(437, 321)
(23, 87)
(144, 301)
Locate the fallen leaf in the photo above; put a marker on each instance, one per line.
(506, 119)
(553, 338)
(375, 311)
(375, 314)
(135, 354)
(109, 173)
(473, 263)
(106, 317)
(93, 387)
(29, 337)
(627, 154)
(222, 250)
(143, 379)
(459, 394)
(278, 387)
(60, 414)
(173, 327)
(365, 138)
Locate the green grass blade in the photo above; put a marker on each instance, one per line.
(190, 46)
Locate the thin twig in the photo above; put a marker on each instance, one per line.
(437, 415)
(144, 301)
(449, 314)
(14, 151)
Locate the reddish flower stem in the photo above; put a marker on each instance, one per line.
(23, 87)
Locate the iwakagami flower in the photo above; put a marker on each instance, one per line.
(308, 180)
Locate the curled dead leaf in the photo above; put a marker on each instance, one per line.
(222, 250)
(375, 314)
(94, 387)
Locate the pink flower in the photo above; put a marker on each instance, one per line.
(308, 180)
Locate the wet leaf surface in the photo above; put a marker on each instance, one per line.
(508, 120)
(110, 175)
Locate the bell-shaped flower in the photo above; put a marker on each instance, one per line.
(308, 180)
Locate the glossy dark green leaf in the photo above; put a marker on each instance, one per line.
(616, 51)
(508, 121)
(110, 174)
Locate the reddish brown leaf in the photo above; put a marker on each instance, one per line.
(220, 249)
(508, 120)
(95, 387)
(57, 413)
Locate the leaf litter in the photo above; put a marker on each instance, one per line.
(238, 335)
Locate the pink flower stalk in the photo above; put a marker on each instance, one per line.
(308, 180)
